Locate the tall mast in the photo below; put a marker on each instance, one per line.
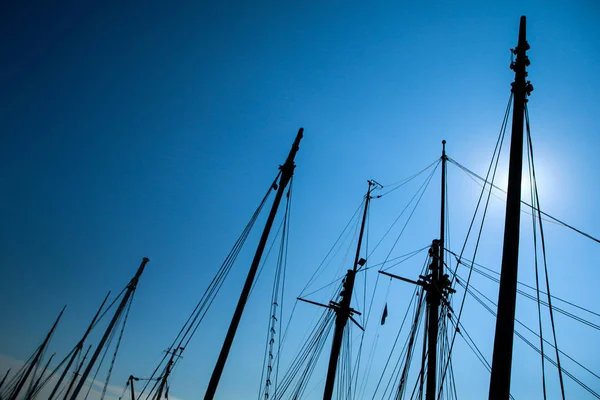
(36, 359)
(78, 349)
(503, 342)
(33, 388)
(4, 379)
(130, 289)
(76, 374)
(287, 171)
(434, 292)
(343, 311)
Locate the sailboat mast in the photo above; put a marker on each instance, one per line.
(130, 289)
(287, 171)
(4, 379)
(503, 342)
(343, 311)
(76, 374)
(78, 349)
(434, 292)
(36, 359)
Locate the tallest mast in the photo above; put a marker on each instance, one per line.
(287, 171)
(505, 322)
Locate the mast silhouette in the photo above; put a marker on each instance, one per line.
(287, 171)
(438, 287)
(505, 322)
(130, 289)
(36, 359)
(435, 289)
(76, 373)
(342, 310)
(78, 349)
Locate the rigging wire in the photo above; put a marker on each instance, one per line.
(418, 196)
(536, 334)
(470, 289)
(536, 203)
(277, 293)
(553, 219)
(194, 320)
(532, 288)
(493, 166)
(112, 363)
(537, 274)
(406, 180)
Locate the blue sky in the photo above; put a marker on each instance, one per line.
(153, 130)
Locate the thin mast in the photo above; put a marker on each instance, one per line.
(503, 342)
(76, 374)
(435, 290)
(131, 379)
(78, 349)
(34, 387)
(343, 311)
(4, 379)
(168, 368)
(130, 289)
(287, 171)
(36, 359)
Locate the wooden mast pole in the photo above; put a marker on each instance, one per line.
(76, 374)
(435, 290)
(130, 289)
(287, 171)
(36, 359)
(78, 349)
(343, 311)
(503, 342)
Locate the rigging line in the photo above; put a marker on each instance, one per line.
(107, 346)
(525, 285)
(112, 363)
(534, 333)
(212, 288)
(314, 275)
(537, 279)
(406, 180)
(404, 258)
(496, 155)
(531, 297)
(109, 307)
(537, 204)
(420, 190)
(287, 239)
(471, 343)
(570, 375)
(407, 257)
(272, 322)
(554, 219)
(410, 351)
(415, 293)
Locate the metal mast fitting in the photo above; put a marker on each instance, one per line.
(505, 322)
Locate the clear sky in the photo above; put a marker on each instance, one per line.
(153, 130)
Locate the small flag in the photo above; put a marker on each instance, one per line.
(384, 315)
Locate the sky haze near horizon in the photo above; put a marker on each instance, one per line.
(132, 131)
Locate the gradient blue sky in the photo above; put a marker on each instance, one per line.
(154, 129)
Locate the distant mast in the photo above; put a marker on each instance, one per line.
(505, 322)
